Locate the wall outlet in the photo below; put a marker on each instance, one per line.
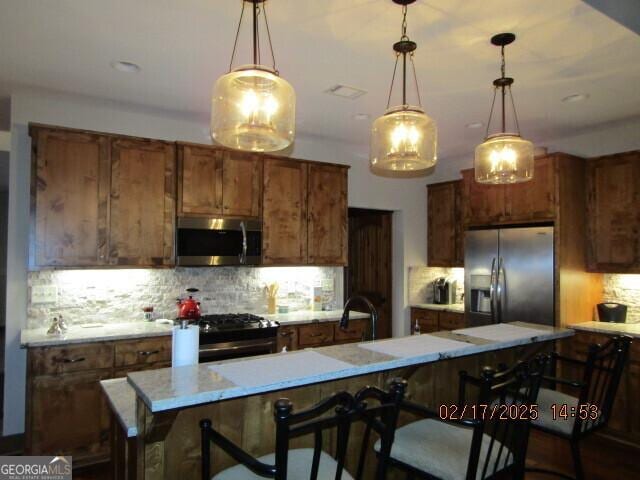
(44, 294)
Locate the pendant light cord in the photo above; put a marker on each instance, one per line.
(235, 43)
(515, 114)
(257, 11)
(393, 77)
(493, 103)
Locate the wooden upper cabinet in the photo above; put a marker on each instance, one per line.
(284, 212)
(215, 182)
(199, 180)
(483, 204)
(535, 199)
(70, 188)
(445, 230)
(613, 196)
(142, 202)
(241, 184)
(327, 224)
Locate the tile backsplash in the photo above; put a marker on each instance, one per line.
(87, 296)
(625, 289)
(421, 279)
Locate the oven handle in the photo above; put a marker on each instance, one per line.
(236, 348)
(243, 255)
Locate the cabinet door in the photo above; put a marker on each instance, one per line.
(451, 321)
(315, 334)
(427, 320)
(444, 243)
(142, 202)
(613, 189)
(357, 331)
(199, 180)
(69, 416)
(483, 204)
(241, 184)
(327, 224)
(535, 199)
(70, 183)
(284, 212)
(288, 338)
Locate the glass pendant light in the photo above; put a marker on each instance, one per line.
(404, 138)
(503, 157)
(252, 107)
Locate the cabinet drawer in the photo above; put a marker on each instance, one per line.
(71, 358)
(355, 332)
(141, 352)
(427, 320)
(288, 338)
(317, 334)
(451, 321)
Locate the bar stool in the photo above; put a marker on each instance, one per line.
(590, 409)
(480, 445)
(376, 408)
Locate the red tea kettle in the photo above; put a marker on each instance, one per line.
(189, 309)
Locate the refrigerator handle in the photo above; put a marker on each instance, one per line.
(492, 290)
(499, 289)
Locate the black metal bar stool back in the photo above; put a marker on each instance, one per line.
(377, 409)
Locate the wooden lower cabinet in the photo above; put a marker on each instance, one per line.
(436, 320)
(67, 412)
(287, 338)
(315, 335)
(356, 331)
(69, 415)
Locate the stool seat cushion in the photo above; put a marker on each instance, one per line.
(547, 398)
(298, 467)
(441, 449)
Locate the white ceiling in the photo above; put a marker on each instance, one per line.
(563, 47)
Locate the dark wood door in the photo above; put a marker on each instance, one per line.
(369, 268)
(613, 190)
(199, 180)
(445, 230)
(241, 184)
(327, 216)
(70, 416)
(284, 212)
(70, 183)
(535, 199)
(142, 202)
(483, 204)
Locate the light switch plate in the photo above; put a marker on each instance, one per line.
(44, 294)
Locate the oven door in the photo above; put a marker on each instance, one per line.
(236, 349)
(218, 241)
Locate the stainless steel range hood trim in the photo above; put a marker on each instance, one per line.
(214, 223)
(216, 261)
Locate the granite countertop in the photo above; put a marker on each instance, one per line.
(631, 329)
(311, 316)
(37, 337)
(172, 388)
(452, 307)
(122, 399)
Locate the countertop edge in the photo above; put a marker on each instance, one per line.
(60, 341)
(606, 328)
(357, 370)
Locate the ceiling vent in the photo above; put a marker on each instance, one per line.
(345, 91)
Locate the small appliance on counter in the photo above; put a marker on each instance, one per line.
(612, 312)
(444, 291)
(188, 308)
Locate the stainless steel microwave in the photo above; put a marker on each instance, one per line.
(205, 241)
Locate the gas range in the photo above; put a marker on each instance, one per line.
(224, 336)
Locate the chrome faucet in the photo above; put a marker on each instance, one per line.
(344, 321)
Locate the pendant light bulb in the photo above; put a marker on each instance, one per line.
(504, 157)
(252, 107)
(404, 138)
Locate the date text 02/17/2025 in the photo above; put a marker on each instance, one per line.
(500, 411)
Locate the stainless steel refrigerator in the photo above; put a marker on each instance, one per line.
(508, 275)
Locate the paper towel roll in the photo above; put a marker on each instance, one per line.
(185, 345)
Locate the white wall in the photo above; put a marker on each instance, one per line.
(406, 197)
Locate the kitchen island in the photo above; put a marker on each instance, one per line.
(238, 395)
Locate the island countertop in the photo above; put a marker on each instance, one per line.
(168, 389)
